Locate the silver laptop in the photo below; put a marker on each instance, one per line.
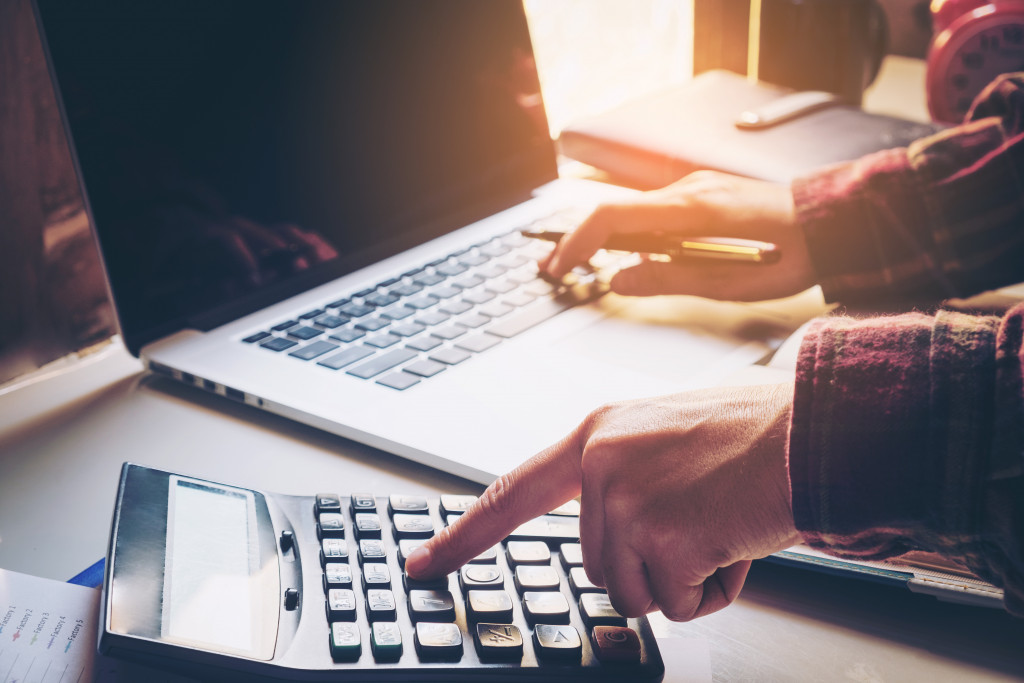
(315, 208)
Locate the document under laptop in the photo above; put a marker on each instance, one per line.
(314, 208)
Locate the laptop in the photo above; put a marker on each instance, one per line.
(316, 208)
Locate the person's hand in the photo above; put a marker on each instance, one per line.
(679, 494)
(705, 203)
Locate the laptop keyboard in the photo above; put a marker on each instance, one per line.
(415, 325)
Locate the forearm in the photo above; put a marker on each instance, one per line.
(908, 434)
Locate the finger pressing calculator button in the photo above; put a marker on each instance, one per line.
(580, 583)
(408, 504)
(498, 641)
(438, 584)
(412, 526)
(363, 502)
(345, 642)
(380, 605)
(615, 644)
(337, 575)
(341, 604)
(552, 641)
(545, 607)
(371, 550)
(476, 576)
(333, 549)
(431, 605)
(330, 525)
(367, 525)
(386, 641)
(527, 552)
(327, 502)
(489, 606)
(376, 575)
(438, 641)
(531, 578)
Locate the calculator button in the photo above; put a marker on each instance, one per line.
(367, 525)
(330, 525)
(596, 610)
(568, 509)
(616, 644)
(545, 607)
(376, 575)
(341, 604)
(527, 552)
(492, 606)
(456, 505)
(498, 641)
(371, 550)
(287, 540)
(438, 584)
(363, 502)
(345, 642)
(552, 641)
(327, 502)
(438, 641)
(337, 575)
(548, 527)
(380, 605)
(531, 578)
(386, 641)
(291, 599)
(489, 556)
(333, 549)
(572, 555)
(412, 526)
(431, 605)
(580, 583)
(407, 504)
(477, 576)
(405, 548)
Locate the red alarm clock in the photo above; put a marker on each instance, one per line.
(974, 41)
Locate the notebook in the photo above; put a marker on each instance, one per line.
(314, 208)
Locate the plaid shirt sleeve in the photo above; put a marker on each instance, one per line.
(941, 218)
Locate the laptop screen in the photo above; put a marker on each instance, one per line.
(236, 152)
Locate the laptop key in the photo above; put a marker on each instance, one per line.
(445, 291)
(422, 302)
(474, 320)
(399, 380)
(407, 329)
(372, 324)
(354, 310)
(449, 356)
(348, 334)
(278, 344)
(381, 363)
(259, 336)
(496, 309)
(381, 299)
(406, 289)
(314, 350)
(305, 333)
(450, 269)
(427, 279)
(456, 307)
(398, 312)
(309, 315)
(527, 318)
(449, 332)
(383, 341)
(281, 327)
(469, 282)
(424, 343)
(346, 357)
(433, 318)
(425, 368)
(481, 296)
(331, 321)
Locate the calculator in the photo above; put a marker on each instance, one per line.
(227, 583)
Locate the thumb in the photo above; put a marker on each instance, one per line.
(536, 487)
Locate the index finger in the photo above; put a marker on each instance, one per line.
(536, 487)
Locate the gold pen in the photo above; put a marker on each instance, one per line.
(677, 248)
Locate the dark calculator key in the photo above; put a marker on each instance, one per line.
(424, 343)
(309, 315)
(371, 550)
(453, 504)
(346, 357)
(331, 321)
(427, 279)
(438, 641)
(376, 575)
(363, 502)
(278, 344)
(333, 549)
(527, 552)
(572, 555)
(411, 584)
(305, 332)
(553, 641)
(425, 368)
(412, 526)
(367, 525)
(327, 502)
(481, 577)
(314, 350)
(341, 604)
(532, 578)
(380, 605)
(345, 642)
(281, 327)
(383, 341)
(347, 335)
(616, 644)
(548, 527)
(337, 575)
(478, 343)
(354, 310)
(386, 641)
(408, 504)
(253, 338)
(545, 607)
(372, 324)
(330, 525)
(580, 583)
(431, 605)
(405, 548)
(398, 312)
(498, 641)
(596, 610)
(450, 356)
(489, 605)
(382, 363)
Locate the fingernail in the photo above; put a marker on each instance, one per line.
(418, 561)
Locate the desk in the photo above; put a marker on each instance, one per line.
(63, 438)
